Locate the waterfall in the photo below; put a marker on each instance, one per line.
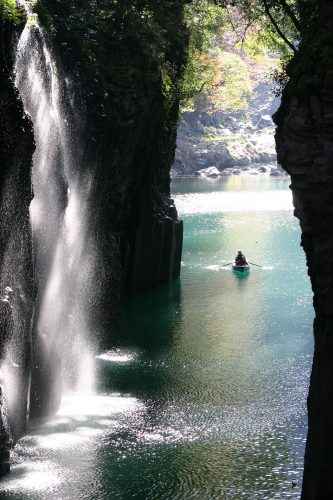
(65, 255)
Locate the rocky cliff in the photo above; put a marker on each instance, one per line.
(228, 139)
(126, 63)
(16, 270)
(305, 149)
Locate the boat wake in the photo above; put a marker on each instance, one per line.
(223, 267)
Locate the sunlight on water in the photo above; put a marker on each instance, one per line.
(200, 203)
(82, 420)
(202, 390)
(38, 476)
(117, 356)
(89, 406)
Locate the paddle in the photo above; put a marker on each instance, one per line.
(227, 264)
(253, 264)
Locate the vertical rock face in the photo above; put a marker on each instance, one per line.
(128, 61)
(156, 250)
(305, 149)
(16, 275)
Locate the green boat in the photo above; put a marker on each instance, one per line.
(241, 269)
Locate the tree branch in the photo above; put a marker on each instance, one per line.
(288, 10)
(278, 30)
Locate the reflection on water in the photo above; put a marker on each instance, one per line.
(202, 392)
(55, 458)
(199, 203)
(231, 183)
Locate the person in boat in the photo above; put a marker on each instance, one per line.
(240, 259)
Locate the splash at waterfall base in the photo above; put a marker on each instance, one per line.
(106, 225)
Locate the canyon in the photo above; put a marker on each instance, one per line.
(119, 87)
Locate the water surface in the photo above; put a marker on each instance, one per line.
(202, 392)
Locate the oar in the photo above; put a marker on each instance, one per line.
(253, 264)
(227, 264)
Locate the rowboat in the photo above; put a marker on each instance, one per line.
(241, 269)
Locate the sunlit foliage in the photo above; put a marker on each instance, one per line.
(208, 63)
(10, 11)
(227, 37)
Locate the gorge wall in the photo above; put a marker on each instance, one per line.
(305, 150)
(120, 68)
(228, 140)
(16, 269)
(126, 62)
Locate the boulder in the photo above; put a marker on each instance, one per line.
(208, 172)
(277, 173)
(264, 170)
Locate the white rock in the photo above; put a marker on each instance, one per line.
(209, 172)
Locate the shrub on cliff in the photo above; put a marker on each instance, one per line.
(10, 11)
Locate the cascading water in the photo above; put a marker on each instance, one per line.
(64, 252)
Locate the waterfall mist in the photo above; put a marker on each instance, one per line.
(65, 255)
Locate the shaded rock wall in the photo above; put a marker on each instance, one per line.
(305, 150)
(127, 73)
(157, 250)
(16, 271)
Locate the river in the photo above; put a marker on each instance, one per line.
(202, 393)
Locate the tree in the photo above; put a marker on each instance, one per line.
(259, 27)
(226, 38)
(282, 17)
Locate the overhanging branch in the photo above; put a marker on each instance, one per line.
(288, 10)
(276, 26)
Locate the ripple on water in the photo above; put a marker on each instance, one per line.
(204, 391)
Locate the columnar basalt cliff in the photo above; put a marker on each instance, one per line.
(120, 69)
(128, 64)
(305, 150)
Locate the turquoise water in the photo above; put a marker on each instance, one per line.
(202, 393)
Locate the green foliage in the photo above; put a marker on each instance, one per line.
(228, 37)
(276, 23)
(125, 53)
(203, 21)
(10, 11)
(254, 46)
(225, 82)
(235, 87)
(151, 25)
(216, 76)
(43, 16)
(208, 64)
